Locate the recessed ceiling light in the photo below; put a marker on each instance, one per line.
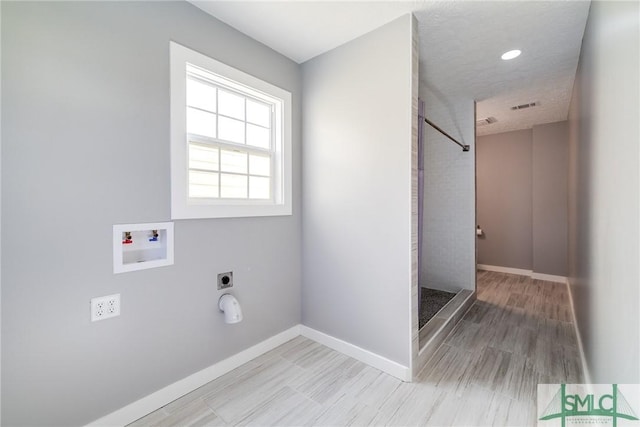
(511, 54)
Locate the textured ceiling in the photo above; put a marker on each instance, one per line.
(460, 45)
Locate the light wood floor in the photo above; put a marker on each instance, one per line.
(517, 334)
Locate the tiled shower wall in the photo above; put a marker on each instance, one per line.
(448, 233)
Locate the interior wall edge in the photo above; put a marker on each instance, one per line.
(414, 293)
(348, 270)
(604, 193)
(576, 328)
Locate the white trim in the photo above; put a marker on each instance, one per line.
(549, 277)
(148, 250)
(181, 206)
(158, 399)
(508, 270)
(583, 359)
(365, 356)
(521, 272)
(168, 394)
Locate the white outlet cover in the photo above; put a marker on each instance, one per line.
(105, 307)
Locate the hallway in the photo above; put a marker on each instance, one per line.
(517, 334)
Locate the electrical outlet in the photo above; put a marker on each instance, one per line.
(225, 280)
(105, 307)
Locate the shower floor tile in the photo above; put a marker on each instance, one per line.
(433, 301)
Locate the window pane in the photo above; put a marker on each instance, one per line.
(258, 187)
(203, 184)
(201, 95)
(231, 104)
(203, 157)
(201, 123)
(259, 114)
(231, 130)
(234, 186)
(234, 161)
(258, 136)
(259, 165)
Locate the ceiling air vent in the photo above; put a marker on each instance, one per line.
(486, 121)
(523, 106)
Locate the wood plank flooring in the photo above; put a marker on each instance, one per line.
(517, 334)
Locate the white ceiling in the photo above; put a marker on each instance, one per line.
(460, 45)
(301, 29)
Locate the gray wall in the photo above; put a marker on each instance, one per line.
(504, 170)
(604, 192)
(522, 199)
(0, 212)
(449, 215)
(357, 191)
(550, 155)
(85, 144)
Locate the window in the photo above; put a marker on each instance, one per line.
(230, 141)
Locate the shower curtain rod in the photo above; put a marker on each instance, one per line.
(433, 125)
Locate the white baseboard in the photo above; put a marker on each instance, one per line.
(521, 272)
(508, 270)
(583, 359)
(385, 365)
(549, 277)
(168, 394)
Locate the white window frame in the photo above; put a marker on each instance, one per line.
(182, 207)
